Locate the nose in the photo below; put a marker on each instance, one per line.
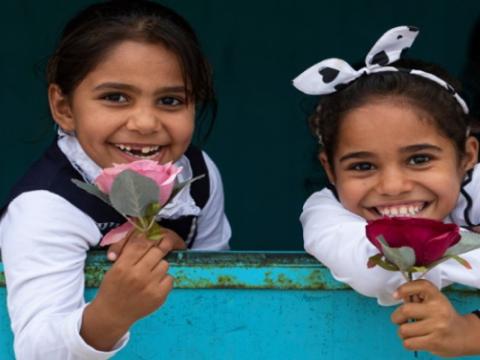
(144, 121)
(393, 181)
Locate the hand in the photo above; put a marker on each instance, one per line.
(169, 236)
(475, 229)
(136, 285)
(438, 328)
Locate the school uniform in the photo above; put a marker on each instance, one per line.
(336, 237)
(48, 227)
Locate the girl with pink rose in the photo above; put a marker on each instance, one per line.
(395, 141)
(125, 83)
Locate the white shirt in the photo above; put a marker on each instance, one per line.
(44, 241)
(336, 237)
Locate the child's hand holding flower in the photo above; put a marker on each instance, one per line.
(137, 190)
(413, 245)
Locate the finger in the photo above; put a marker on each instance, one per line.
(415, 329)
(409, 311)
(151, 258)
(177, 241)
(135, 248)
(161, 270)
(422, 288)
(164, 288)
(166, 245)
(419, 343)
(115, 249)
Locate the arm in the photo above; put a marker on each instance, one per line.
(135, 286)
(336, 237)
(438, 328)
(213, 232)
(44, 242)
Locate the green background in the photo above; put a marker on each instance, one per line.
(260, 142)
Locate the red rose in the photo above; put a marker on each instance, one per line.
(428, 238)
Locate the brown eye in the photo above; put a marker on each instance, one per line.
(419, 159)
(115, 98)
(363, 166)
(170, 101)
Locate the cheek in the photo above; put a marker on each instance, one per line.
(182, 127)
(350, 193)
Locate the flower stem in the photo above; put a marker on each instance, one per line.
(151, 223)
(410, 278)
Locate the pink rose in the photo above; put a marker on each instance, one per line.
(429, 239)
(163, 175)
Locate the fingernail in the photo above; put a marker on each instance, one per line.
(112, 256)
(396, 295)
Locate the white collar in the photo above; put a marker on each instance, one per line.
(182, 205)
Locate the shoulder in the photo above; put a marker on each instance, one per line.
(323, 207)
(43, 216)
(324, 199)
(199, 159)
(198, 162)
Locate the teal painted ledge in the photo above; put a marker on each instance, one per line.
(255, 305)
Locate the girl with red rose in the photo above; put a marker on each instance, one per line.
(395, 141)
(125, 83)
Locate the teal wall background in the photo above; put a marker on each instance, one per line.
(260, 142)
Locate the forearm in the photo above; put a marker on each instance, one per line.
(100, 329)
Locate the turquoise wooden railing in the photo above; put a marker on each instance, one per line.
(238, 305)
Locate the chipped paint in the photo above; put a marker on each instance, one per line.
(235, 270)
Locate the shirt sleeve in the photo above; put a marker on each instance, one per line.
(336, 237)
(469, 202)
(44, 241)
(213, 229)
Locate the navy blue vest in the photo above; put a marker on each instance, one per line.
(53, 172)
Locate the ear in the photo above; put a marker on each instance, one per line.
(60, 108)
(327, 167)
(471, 153)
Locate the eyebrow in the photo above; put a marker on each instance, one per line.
(421, 147)
(127, 87)
(407, 149)
(356, 155)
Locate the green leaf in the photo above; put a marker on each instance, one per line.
(403, 257)
(418, 269)
(180, 186)
(92, 190)
(132, 193)
(462, 261)
(468, 241)
(152, 210)
(378, 260)
(155, 232)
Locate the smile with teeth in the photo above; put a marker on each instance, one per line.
(139, 151)
(411, 209)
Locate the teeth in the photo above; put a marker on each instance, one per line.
(145, 150)
(124, 147)
(403, 210)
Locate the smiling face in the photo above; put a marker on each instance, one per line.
(391, 160)
(131, 106)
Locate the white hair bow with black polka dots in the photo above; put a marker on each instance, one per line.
(331, 75)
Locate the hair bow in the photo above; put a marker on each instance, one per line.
(331, 75)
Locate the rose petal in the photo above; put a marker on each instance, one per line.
(428, 238)
(117, 234)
